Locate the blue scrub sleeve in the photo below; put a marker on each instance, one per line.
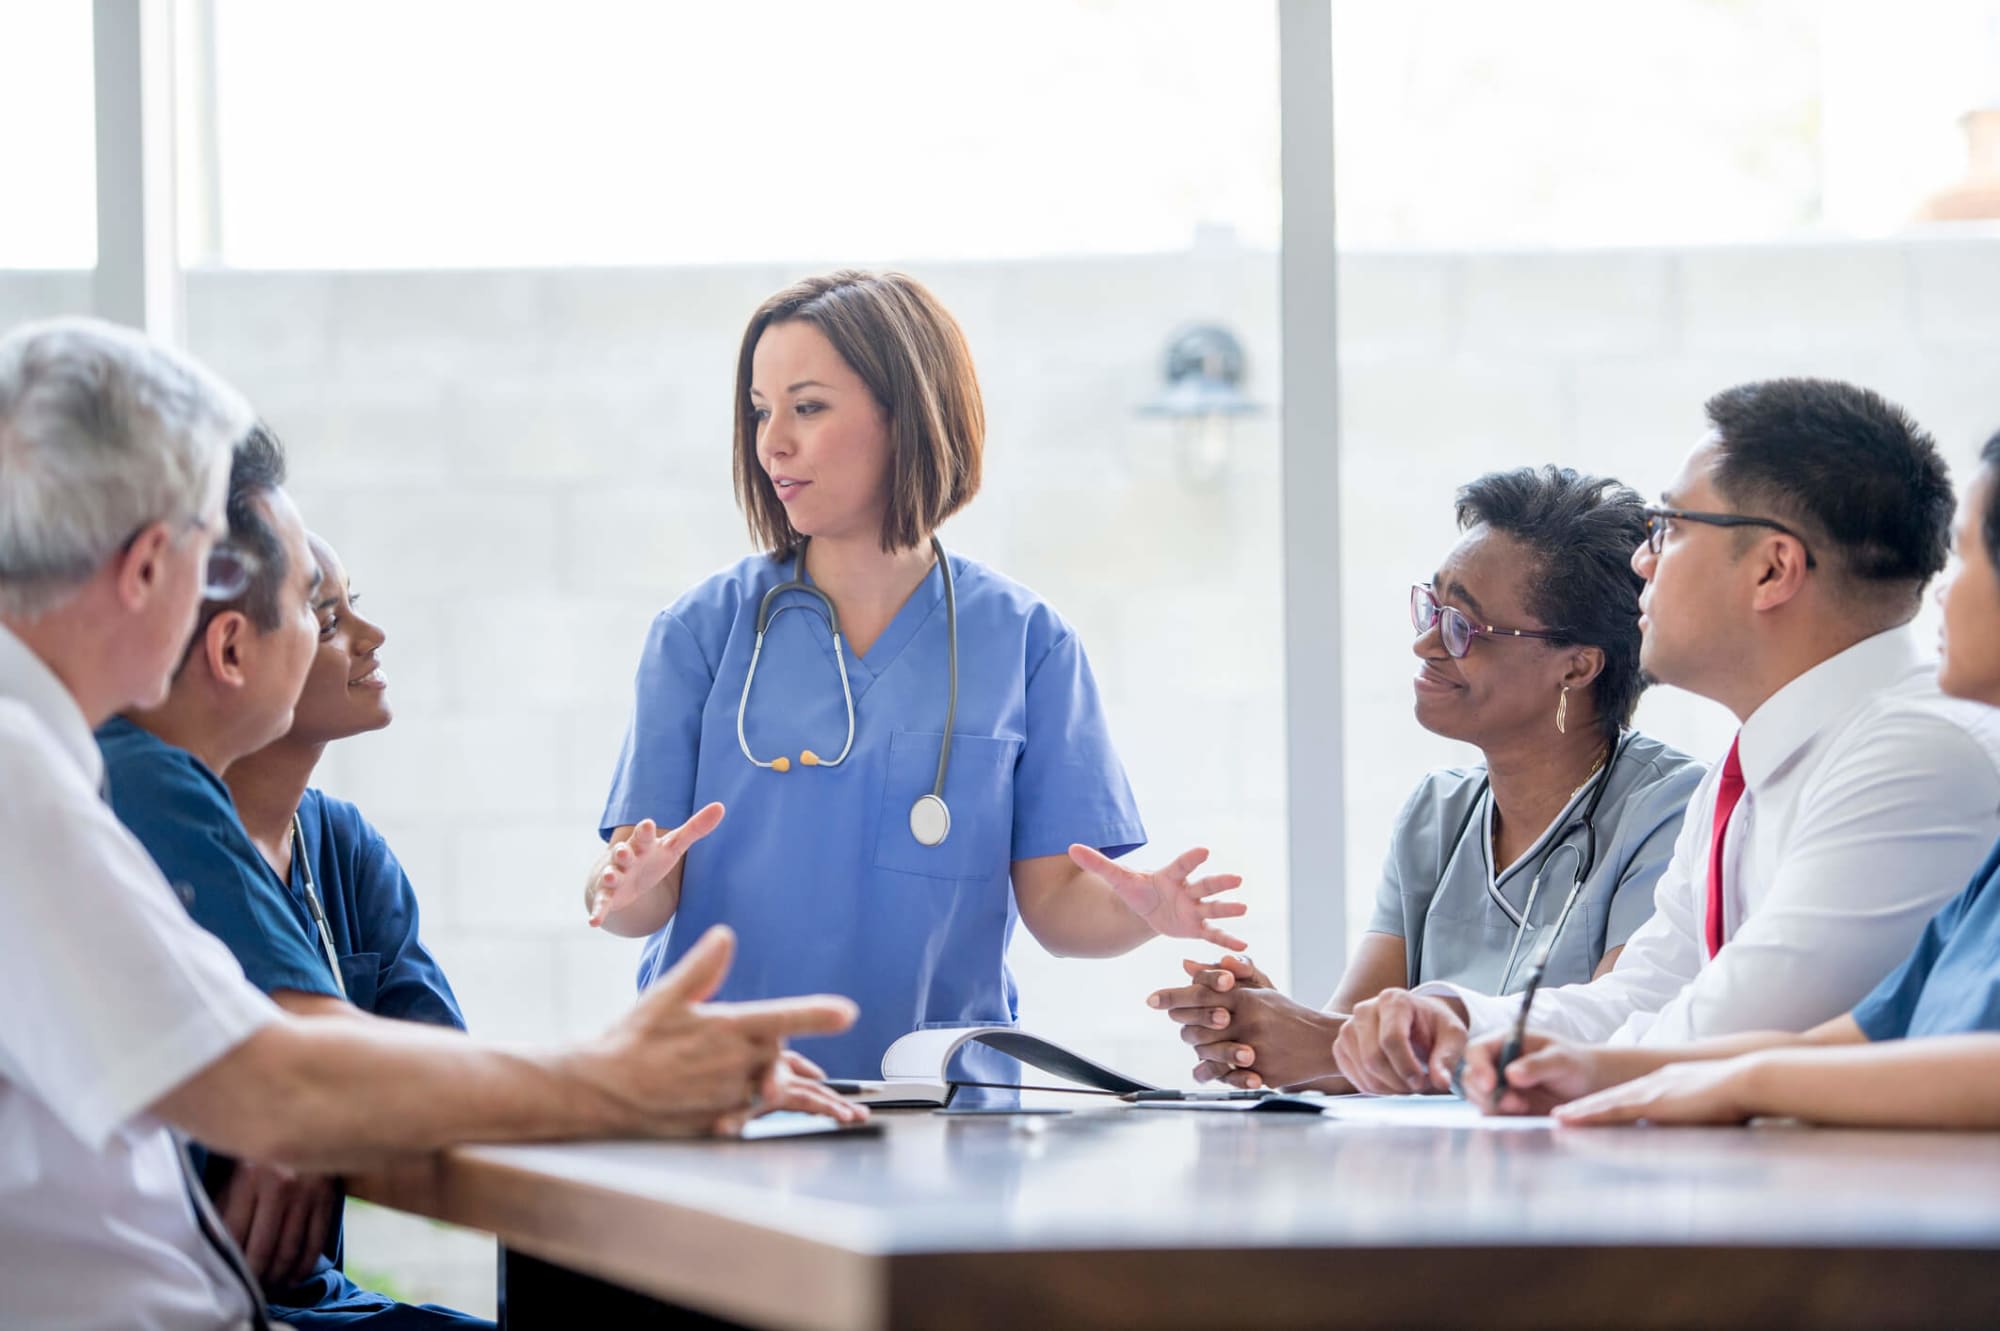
(1885, 1014)
(1069, 786)
(1651, 820)
(656, 769)
(383, 915)
(183, 816)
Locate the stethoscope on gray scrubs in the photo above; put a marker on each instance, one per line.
(313, 908)
(1586, 860)
(930, 820)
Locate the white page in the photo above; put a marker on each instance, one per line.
(1425, 1111)
(926, 1055)
(922, 1055)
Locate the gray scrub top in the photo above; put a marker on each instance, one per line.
(1438, 886)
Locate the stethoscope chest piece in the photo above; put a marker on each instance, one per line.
(930, 821)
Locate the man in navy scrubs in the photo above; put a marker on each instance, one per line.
(233, 694)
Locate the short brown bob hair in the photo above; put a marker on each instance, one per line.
(910, 352)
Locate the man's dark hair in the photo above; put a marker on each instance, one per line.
(256, 471)
(1989, 525)
(1582, 531)
(1861, 480)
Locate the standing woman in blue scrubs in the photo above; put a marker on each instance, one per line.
(859, 430)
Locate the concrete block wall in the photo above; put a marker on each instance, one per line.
(1601, 360)
(521, 467)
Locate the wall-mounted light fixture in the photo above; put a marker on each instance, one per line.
(1203, 394)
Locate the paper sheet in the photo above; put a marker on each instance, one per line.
(925, 1056)
(1425, 1111)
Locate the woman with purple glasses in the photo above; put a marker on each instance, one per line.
(1527, 646)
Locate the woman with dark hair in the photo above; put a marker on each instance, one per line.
(1545, 852)
(910, 761)
(328, 863)
(1921, 1051)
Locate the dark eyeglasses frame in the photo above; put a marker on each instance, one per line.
(1422, 594)
(1657, 519)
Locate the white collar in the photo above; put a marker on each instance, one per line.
(26, 678)
(1820, 698)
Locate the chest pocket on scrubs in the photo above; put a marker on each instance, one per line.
(1467, 949)
(362, 974)
(978, 787)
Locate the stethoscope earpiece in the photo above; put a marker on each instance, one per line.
(930, 818)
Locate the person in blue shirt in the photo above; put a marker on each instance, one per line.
(862, 854)
(317, 911)
(311, 839)
(1921, 1051)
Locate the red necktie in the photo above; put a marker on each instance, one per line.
(1728, 790)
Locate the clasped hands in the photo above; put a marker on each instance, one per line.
(1247, 1035)
(1244, 1032)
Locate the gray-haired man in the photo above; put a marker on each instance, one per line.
(124, 1019)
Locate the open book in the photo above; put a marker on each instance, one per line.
(915, 1069)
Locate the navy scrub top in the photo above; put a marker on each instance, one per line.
(183, 814)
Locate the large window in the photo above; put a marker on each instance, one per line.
(374, 133)
(48, 208)
(526, 456)
(1576, 125)
(1565, 225)
(484, 266)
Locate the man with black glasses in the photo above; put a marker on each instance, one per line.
(1784, 566)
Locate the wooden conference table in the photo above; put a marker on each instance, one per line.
(1412, 1214)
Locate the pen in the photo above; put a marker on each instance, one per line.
(1138, 1097)
(1512, 1049)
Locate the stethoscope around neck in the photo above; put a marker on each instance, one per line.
(1586, 860)
(930, 818)
(303, 874)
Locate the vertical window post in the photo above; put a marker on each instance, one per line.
(138, 279)
(1315, 791)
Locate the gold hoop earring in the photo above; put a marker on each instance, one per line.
(1562, 712)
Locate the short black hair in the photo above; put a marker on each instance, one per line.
(1846, 463)
(1989, 525)
(1582, 530)
(256, 471)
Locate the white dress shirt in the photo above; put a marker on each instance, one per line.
(1869, 799)
(110, 996)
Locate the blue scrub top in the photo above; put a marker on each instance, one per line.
(1950, 983)
(816, 868)
(371, 910)
(182, 813)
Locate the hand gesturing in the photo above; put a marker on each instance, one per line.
(637, 864)
(1167, 899)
